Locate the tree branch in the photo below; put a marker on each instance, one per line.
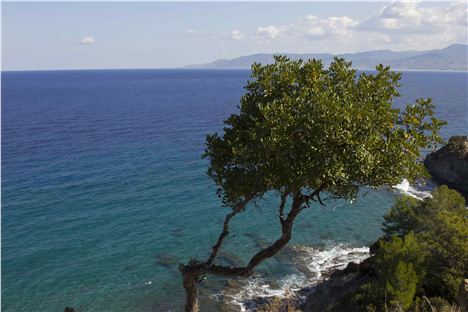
(238, 208)
(194, 270)
(259, 257)
(315, 195)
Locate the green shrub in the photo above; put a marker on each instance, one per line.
(435, 304)
(401, 285)
(423, 253)
(398, 267)
(411, 215)
(440, 228)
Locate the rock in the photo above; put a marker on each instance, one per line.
(449, 165)
(166, 259)
(331, 294)
(328, 294)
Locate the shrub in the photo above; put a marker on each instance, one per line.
(423, 253)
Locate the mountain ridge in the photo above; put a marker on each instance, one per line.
(452, 57)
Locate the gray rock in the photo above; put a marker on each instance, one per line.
(449, 165)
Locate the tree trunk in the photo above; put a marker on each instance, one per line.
(191, 293)
(192, 271)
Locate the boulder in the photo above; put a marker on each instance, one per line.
(449, 165)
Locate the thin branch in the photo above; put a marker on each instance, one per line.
(331, 197)
(238, 208)
(315, 195)
(319, 199)
(261, 255)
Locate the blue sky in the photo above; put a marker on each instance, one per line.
(76, 35)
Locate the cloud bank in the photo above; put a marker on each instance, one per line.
(398, 24)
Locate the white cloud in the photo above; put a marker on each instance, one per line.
(397, 25)
(417, 25)
(417, 18)
(87, 40)
(314, 27)
(236, 34)
(271, 32)
(190, 31)
(311, 27)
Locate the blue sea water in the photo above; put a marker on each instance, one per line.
(104, 191)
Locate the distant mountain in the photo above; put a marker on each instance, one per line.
(453, 57)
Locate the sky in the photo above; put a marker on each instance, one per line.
(92, 35)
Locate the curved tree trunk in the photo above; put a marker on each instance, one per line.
(191, 293)
(192, 271)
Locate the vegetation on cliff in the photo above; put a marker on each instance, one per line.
(423, 255)
(420, 264)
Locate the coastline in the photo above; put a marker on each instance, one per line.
(325, 274)
(314, 267)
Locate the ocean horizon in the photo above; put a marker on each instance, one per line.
(188, 68)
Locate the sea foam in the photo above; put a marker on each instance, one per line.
(314, 265)
(419, 191)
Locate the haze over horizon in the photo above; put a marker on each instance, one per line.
(91, 35)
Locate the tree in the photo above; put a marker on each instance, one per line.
(423, 254)
(412, 215)
(440, 225)
(304, 131)
(398, 266)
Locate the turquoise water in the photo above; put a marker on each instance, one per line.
(104, 191)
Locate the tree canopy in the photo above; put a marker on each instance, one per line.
(302, 126)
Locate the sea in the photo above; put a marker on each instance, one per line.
(104, 192)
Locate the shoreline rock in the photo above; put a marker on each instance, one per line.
(326, 295)
(329, 293)
(449, 164)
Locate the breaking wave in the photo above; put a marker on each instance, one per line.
(419, 191)
(313, 266)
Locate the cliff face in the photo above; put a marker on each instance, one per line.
(330, 295)
(449, 165)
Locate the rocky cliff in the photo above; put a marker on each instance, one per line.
(449, 165)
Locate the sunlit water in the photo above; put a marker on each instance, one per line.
(104, 192)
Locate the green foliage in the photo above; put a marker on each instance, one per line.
(369, 297)
(424, 253)
(447, 244)
(411, 215)
(440, 225)
(401, 285)
(435, 304)
(403, 217)
(398, 250)
(304, 127)
(398, 269)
